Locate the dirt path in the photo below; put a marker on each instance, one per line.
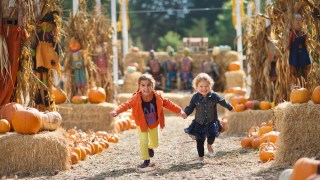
(174, 159)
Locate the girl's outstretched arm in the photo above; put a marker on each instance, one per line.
(122, 108)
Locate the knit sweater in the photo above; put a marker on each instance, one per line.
(137, 112)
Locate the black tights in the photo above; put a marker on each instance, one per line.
(200, 145)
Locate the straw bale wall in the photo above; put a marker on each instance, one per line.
(42, 152)
(234, 79)
(131, 81)
(299, 132)
(87, 116)
(240, 122)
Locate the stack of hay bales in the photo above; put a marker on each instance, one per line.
(131, 81)
(235, 79)
(124, 97)
(87, 116)
(43, 152)
(299, 132)
(240, 122)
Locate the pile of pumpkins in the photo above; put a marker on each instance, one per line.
(125, 122)
(240, 103)
(96, 95)
(83, 144)
(27, 120)
(301, 95)
(264, 138)
(303, 168)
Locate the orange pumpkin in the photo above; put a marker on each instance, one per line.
(265, 105)
(304, 167)
(299, 95)
(271, 136)
(59, 96)
(234, 66)
(316, 95)
(265, 129)
(74, 158)
(240, 107)
(249, 104)
(8, 110)
(4, 126)
(256, 143)
(246, 142)
(97, 95)
(267, 151)
(239, 99)
(26, 122)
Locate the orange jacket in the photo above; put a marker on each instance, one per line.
(136, 104)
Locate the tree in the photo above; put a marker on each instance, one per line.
(172, 39)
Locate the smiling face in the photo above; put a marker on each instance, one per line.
(146, 87)
(203, 87)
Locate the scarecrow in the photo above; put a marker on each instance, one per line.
(155, 69)
(170, 71)
(46, 56)
(299, 59)
(100, 59)
(186, 70)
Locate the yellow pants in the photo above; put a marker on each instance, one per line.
(148, 139)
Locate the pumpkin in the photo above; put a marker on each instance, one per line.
(97, 95)
(249, 104)
(316, 95)
(74, 158)
(315, 176)
(4, 126)
(256, 105)
(234, 66)
(59, 96)
(256, 143)
(224, 123)
(265, 105)
(50, 120)
(271, 136)
(246, 142)
(267, 151)
(8, 110)
(134, 49)
(239, 99)
(304, 167)
(299, 95)
(79, 99)
(265, 129)
(240, 107)
(26, 122)
(237, 90)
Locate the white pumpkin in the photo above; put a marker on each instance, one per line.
(50, 120)
(286, 174)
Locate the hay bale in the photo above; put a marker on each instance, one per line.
(240, 122)
(43, 152)
(124, 97)
(299, 132)
(176, 98)
(87, 116)
(131, 81)
(234, 79)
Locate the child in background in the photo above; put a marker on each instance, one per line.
(206, 123)
(147, 110)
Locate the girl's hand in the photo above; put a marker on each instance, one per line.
(183, 114)
(232, 110)
(114, 113)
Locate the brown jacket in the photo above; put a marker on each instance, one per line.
(137, 112)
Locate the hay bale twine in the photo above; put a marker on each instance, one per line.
(87, 116)
(131, 81)
(234, 79)
(43, 152)
(299, 132)
(240, 122)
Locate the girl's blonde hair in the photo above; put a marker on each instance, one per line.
(202, 77)
(146, 77)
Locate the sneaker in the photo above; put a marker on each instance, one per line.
(212, 154)
(151, 152)
(199, 161)
(144, 164)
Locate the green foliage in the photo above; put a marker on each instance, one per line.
(172, 39)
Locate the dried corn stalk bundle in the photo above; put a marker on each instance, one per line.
(257, 45)
(280, 13)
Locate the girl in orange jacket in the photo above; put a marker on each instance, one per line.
(147, 110)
